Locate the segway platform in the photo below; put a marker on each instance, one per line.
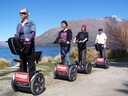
(68, 72)
(102, 63)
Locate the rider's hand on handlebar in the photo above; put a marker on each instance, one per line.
(54, 42)
(27, 40)
(68, 42)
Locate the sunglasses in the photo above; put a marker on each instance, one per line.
(24, 13)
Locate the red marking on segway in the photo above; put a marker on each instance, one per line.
(21, 77)
(61, 68)
(100, 60)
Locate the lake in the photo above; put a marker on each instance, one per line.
(46, 51)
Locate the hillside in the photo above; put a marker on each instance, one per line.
(92, 25)
(3, 44)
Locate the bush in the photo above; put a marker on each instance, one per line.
(118, 53)
(91, 54)
(4, 63)
(57, 58)
(47, 59)
(74, 52)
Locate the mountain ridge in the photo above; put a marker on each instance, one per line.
(92, 25)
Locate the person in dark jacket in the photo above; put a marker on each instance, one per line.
(26, 31)
(64, 39)
(81, 39)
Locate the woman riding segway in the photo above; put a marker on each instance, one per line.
(27, 76)
(100, 45)
(81, 40)
(101, 40)
(65, 69)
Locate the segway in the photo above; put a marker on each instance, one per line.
(23, 81)
(101, 62)
(65, 71)
(83, 66)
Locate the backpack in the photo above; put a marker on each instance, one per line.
(15, 45)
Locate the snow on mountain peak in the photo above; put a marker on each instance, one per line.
(117, 18)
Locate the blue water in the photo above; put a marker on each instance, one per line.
(46, 51)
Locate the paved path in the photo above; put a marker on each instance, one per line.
(101, 82)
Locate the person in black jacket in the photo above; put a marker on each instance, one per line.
(64, 39)
(81, 39)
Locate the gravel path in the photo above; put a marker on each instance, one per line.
(101, 82)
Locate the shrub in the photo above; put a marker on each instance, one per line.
(47, 59)
(57, 58)
(4, 63)
(91, 53)
(74, 52)
(118, 53)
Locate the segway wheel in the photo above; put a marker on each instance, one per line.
(72, 73)
(107, 63)
(87, 67)
(37, 84)
(13, 84)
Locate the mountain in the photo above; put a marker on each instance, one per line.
(113, 18)
(3, 44)
(75, 25)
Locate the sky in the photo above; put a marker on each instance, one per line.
(48, 14)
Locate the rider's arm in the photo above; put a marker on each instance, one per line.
(84, 40)
(57, 39)
(69, 37)
(74, 41)
(105, 38)
(96, 41)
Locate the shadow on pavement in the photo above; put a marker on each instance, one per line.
(125, 91)
(119, 64)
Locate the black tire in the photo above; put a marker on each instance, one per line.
(37, 84)
(87, 67)
(72, 75)
(13, 84)
(106, 63)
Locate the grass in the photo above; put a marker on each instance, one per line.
(46, 67)
(3, 73)
(5, 78)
